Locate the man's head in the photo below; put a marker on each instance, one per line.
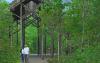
(26, 45)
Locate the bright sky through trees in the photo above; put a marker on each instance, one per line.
(9, 1)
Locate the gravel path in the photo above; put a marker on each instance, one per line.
(36, 59)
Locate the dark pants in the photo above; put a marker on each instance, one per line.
(26, 56)
(22, 58)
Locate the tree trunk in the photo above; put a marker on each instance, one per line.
(59, 43)
(52, 44)
(45, 39)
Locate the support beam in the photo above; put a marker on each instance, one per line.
(22, 27)
(22, 24)
(23, 33)
(38, 42)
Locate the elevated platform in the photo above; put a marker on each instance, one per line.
(29, 6)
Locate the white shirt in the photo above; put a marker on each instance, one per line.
(22, 51)
(26, 50)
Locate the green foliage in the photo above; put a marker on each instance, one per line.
(8, 54)
(79, 18)
(31, 38)
(89, 55)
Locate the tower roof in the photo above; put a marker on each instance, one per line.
(28, 7)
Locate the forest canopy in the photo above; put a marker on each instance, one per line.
(74, 24)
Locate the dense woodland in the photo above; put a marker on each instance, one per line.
(74, 24)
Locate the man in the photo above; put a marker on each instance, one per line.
(22, 55)
(26, 54)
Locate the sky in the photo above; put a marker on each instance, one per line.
(66, 0)
(9, 1)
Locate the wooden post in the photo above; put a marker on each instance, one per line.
(22, 24)
(39, 46)
(22, 27)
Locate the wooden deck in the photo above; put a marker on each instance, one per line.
(28, 6)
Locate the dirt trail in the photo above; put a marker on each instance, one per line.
(36, 59)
